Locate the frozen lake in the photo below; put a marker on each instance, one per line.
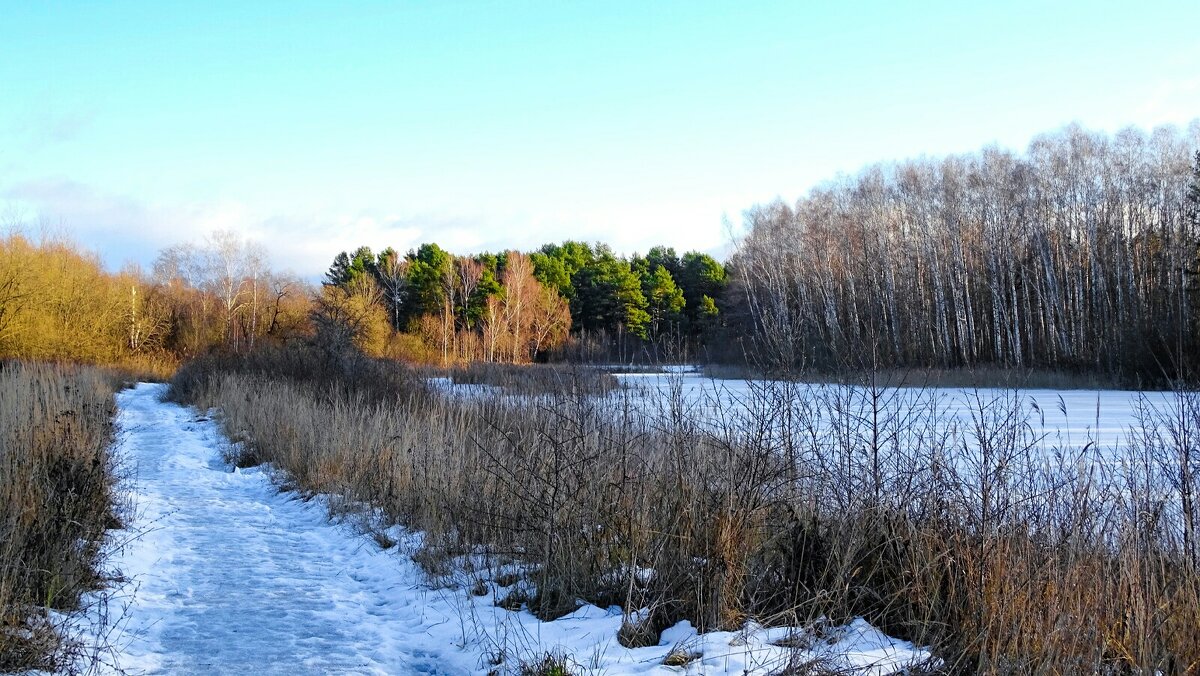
(1064, 418)
(1067, 420)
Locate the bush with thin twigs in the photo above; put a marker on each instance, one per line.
(57, 498)
(790, 504)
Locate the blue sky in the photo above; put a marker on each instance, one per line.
(316, 127)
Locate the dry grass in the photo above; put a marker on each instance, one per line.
(548, 665)
(793, 504)
(975, 377)
(151, 368)
(56, 501)
(535, 379)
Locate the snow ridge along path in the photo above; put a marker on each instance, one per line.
(232, 576)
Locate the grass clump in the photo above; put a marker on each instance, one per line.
(507, 579)
(547, 665)
(57, 499)
(680, 656)
(641, 630)
(514, 600)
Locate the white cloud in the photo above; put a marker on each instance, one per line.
(125, 229)
(1171, 102)
(48, 126)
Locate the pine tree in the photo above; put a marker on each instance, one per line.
(664, 301)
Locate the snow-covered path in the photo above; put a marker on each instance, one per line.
(232, 576)
(227, 575)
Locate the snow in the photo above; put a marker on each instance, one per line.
(447, 386)
(1067, 419)
(1058, 420)
(231, 575)
(227, 574)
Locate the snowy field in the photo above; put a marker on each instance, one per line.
(226, 574)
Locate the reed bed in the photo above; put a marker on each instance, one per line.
(532, 379)
(57, 498)
(792, 505)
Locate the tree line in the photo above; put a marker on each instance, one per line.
(563, 301)
(57, 303)
(433, 306)
(1081, 253)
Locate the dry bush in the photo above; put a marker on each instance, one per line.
(157, 367)
(787, 505)
(57, 499)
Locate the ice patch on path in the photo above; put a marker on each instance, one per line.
(228, 575)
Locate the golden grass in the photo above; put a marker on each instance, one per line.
(56, 501)
(998, 560)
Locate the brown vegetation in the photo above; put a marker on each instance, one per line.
(57, 498)
(790, 505)
(57, 303)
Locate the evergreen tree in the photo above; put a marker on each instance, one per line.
(428, 268)
(551, 272)
(664, 256)
(703, 281)
(347, 268)
(664, 301)
(339, 271)
(556, 265)
(608, 296)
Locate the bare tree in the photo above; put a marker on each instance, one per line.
(1075, 254)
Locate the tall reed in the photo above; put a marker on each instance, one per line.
(57, 498)
(784, 503)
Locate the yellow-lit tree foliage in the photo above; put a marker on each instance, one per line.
(58, 303)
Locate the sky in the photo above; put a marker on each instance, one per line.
(314, 128)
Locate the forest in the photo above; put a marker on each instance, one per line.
(563, 299)
(1081, 254)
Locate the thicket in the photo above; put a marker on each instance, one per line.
(433, 307)
(57, 498)
(1082, 253)
(791, 504)
(57, 303)
(221, 295)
